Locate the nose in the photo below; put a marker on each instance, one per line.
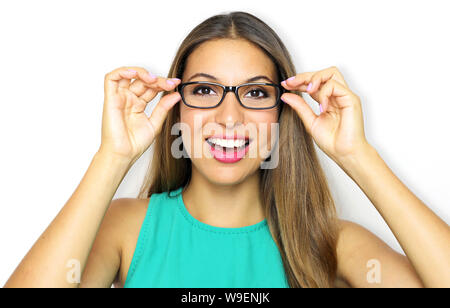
(230, 113)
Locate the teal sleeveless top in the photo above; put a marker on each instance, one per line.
(175, 250)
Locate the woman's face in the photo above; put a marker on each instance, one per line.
(232, 63)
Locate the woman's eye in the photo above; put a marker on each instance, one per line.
(203, 90)
(253, 93)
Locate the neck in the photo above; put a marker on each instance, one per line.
(226, 206)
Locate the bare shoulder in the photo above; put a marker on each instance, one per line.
(128, 215)
(361, 254)
(124, 210)
(113, 248)
(123, 214)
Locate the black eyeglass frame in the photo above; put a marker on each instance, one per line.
(234, 89)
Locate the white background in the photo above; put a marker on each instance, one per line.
(54, 55)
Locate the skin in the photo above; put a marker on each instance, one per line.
(222, 194)
(111, 228)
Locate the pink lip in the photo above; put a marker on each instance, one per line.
(228, 156)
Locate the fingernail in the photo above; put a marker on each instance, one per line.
(151, 75)
(176, 79)
(291, 78)
(320, 107)
(282, 100)
(170, 82)
(132, 71)
(309, 87)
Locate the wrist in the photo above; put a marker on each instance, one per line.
(358, 159)
(113, 159)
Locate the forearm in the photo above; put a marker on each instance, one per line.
(423, 236)
(71, 234)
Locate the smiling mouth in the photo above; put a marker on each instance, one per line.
(228, 144)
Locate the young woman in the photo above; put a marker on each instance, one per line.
(222, 220)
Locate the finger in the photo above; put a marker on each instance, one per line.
(159, 114)
(137, 106)
(298, 82)
(301, 88)
(323, 76)
(316, 79)
(302, 108)
(333, 88)
(140, 76)
(148, 95)
(121, 78)
(138, 87)
(141, 73)
(163, 84)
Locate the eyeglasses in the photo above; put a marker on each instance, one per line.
(206, 95)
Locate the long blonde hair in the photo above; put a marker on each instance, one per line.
(298, 205)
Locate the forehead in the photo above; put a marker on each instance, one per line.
(229, 60)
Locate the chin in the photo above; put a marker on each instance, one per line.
(225, 174)
(226, 180)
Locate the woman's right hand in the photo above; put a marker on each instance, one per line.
(127, 132)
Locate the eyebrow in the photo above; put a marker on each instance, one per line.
(214, 78)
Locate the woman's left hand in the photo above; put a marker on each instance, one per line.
(339, 129)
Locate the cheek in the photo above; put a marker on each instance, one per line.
(266, 124)
(192, 135)
(263, 116)
(263, 128)
(190, 118)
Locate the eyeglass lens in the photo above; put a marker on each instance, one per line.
(251, 96)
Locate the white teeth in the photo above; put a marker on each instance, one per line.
(227, 143)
